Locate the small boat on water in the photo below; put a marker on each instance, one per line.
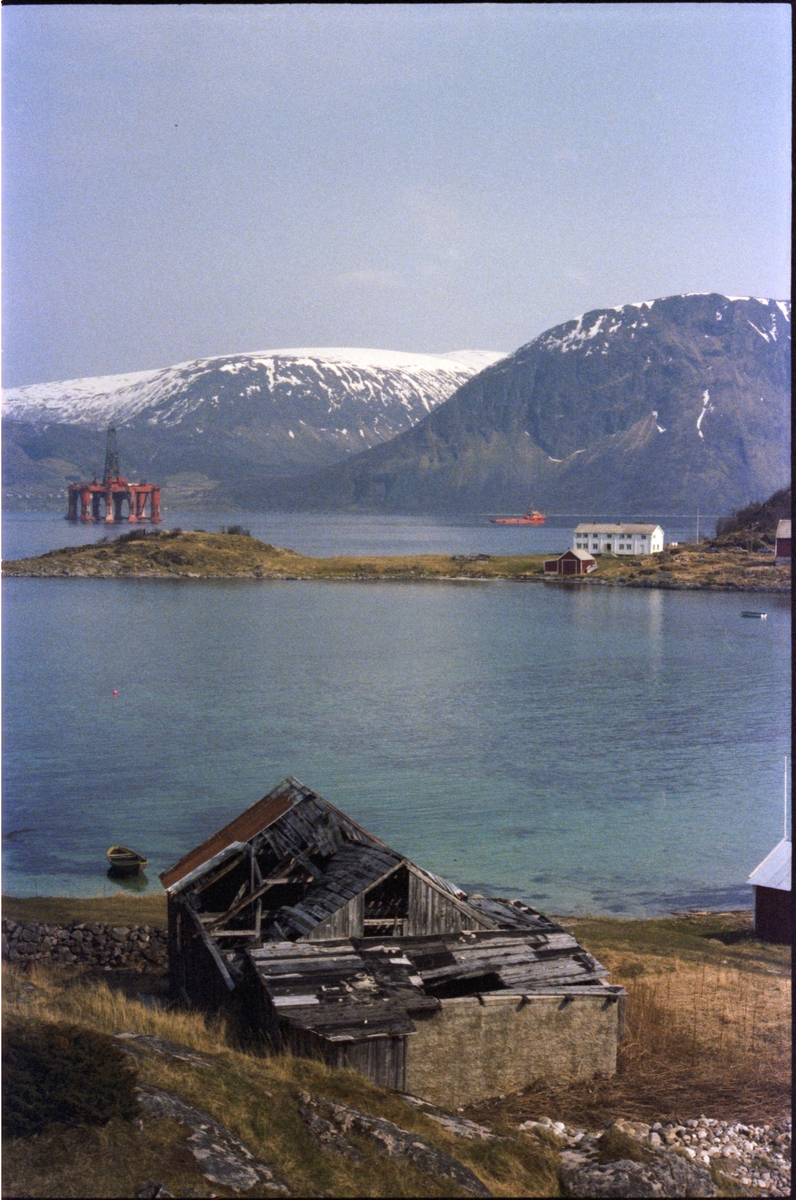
(530, 518)
(760, 616)
(125, 862)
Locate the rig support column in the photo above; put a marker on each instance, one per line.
(85, 504)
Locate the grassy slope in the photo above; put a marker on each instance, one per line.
(228, 556)
(707, 1032)
(256, 1098)
(113, 910)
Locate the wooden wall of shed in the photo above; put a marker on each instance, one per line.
(193, 972)
(773, 915)
(346, 922)
(432, 911)
(380, 1059)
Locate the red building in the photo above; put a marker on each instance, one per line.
(573, 562)
(773, 908)
(782, 545)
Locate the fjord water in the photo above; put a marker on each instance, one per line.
(323, 534)
(590, 749)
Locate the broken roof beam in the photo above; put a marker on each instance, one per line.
(212, 949)
(284, 868)
(226, 859)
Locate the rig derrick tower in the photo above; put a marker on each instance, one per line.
(114, 492)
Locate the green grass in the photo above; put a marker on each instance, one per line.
(111, 910)
(708, 1020)
(197, 554)
(716, 938)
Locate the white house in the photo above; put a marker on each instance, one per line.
(617, 539)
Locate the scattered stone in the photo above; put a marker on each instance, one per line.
(668, 1175)
(752, 1156)
(153, 1191)
(396, 1142)
(458, 1126)
(221, 1157)
(138, 1044)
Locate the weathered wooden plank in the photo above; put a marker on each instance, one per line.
(239, 905)
(213, 949)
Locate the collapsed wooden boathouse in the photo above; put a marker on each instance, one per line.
(332, 945)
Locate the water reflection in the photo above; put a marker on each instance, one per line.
(129, 883)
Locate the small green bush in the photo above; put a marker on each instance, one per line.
(237, 529)
(64, 1074)
(614, 1145)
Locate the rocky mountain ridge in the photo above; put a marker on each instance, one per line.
(227, 417)
(668, 403)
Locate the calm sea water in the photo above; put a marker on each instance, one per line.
(589, 749)
(322, 535)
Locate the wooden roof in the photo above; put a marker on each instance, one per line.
(357, 988)
(262, 815)
(352, 868)
(336, 991)
(581, 555)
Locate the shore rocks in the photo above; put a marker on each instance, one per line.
(221, 1157)
(86, 943)
(321, 1116)
(756, 1157)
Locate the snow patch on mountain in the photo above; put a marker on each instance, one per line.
(582, 333)
(377, 379)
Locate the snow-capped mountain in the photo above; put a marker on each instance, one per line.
(272, 412)
(666, 403)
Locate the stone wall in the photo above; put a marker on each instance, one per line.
(473, 1048)
(85, 943)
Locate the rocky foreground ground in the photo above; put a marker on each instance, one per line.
(695, 1157)
(755, 1157)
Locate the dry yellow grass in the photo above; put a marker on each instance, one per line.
(722, 1011)
(704, 1033)
(256, 1098)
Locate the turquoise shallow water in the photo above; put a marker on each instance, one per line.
(590, 749)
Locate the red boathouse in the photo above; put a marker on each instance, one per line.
(771, 883)
(782, 550)
(572, 562)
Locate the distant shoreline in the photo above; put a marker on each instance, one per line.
(175, 554)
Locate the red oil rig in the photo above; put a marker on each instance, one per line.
(114, 491)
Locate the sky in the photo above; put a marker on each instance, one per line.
(187, 180)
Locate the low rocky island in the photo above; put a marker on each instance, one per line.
(170, 554)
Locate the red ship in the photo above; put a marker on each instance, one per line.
(531, 518)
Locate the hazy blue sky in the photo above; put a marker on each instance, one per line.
(182, 181)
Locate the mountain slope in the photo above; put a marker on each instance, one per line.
(276, 412)
(669, 403)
